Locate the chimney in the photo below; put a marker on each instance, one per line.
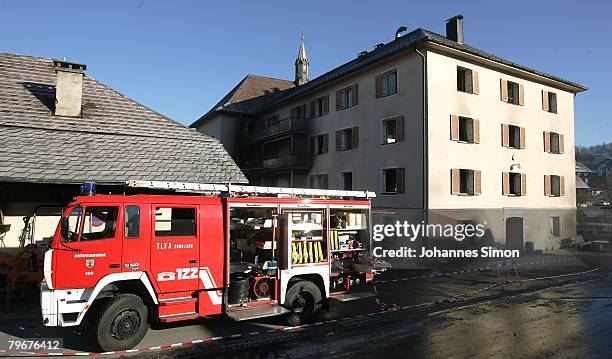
(454, 28)
(69, 88)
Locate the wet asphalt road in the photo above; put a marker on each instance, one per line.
(573, 321)
(462, 333)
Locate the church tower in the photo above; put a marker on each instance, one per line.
(301, 65)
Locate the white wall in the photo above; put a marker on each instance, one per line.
(489, 156)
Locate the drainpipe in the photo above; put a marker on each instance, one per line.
(425, 137)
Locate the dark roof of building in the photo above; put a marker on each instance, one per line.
(251, 94)
(580, 184)
(116, 139)
(605, 162)
(582, 168)
(408, 41)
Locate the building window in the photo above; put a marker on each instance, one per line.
(319, 144)
(298, 112)
(132, 221)
(347, 181)
(554, 143)
(549, 101)
(515, 184)
(347, 139)
(392, 130)
(555, 226)
(386, 84)
(466, 182)
(555, 186)
(272, 120)
(175, 222)
(318, 181)
(319, 107)
(466, 129)
(346, 98)
(464, 80)
(392, 180)
(513, 93)
(514, 136)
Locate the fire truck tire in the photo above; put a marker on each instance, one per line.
(121, 322)
(304, 301)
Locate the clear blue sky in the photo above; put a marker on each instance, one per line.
(181, 57)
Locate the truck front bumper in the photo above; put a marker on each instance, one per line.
(62, 307)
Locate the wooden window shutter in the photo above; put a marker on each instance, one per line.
(522, 137)
(503, 85)
(355, 137)
(561, 143)
(505, 135)
(547, 185)
(455, 181)
(312, 109)
(326, 104)
(477, 182)
(546, 141)
(354, 94)
(476, 129)
(313, 146)
(400, 178)
(378, 86)
(303, 114)
(545, 105)
(311, 181)
(454, 128)
(561, 186)
(399, 128)
(475, 86)
(521, 95)
(505, 183)
(324, 184)
(325, 143)
(523, 184)
(338, 140)
(338, 101)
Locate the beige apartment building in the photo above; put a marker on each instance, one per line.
(442, 131)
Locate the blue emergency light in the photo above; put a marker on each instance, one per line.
(88, 189)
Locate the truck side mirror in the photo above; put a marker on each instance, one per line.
(65, 228)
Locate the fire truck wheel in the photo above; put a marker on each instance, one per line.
(304, 301)
(121, 323)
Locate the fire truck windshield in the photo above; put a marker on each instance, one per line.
(73, 223)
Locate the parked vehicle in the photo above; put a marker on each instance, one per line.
(121, 262)
(602, 204)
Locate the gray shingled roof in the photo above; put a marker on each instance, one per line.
(408, 41)
(116, 139)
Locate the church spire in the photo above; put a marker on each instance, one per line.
(301, 65)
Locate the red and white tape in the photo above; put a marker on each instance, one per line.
(386, 308)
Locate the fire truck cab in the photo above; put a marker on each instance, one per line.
(120, 262)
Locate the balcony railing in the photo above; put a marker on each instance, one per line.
(286, 125)
(286, 161)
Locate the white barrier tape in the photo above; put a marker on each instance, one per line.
(475, 270)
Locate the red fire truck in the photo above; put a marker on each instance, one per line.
(120, 262)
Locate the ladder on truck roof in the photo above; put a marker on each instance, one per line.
(205, 188)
